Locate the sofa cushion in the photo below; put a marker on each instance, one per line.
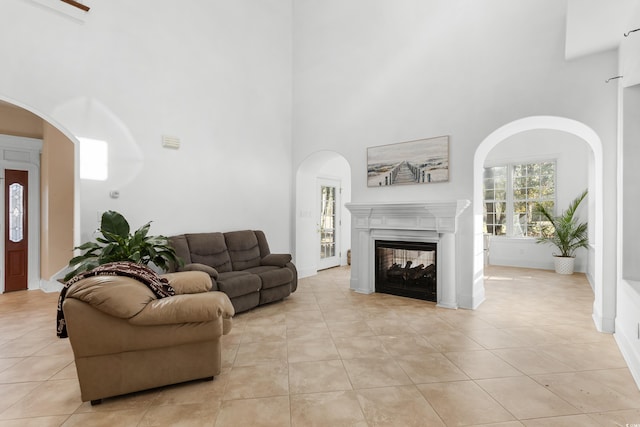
(209, 249)
(272, 276)
(244, 250)
(181, 246)
(236, 283)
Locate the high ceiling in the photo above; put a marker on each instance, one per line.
(598, 25)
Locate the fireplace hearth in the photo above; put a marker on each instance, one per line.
(406, 269)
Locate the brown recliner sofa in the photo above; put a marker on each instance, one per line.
(240, 265)
(124, 339)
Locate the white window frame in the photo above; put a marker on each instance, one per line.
(509, 194)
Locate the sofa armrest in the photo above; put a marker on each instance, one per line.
(187, 308)
(189, 282)
(201, 267)
(276, 260)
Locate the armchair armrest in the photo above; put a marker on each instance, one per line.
(201, 267)
(276, 260)
(189, 282)
(187, 308)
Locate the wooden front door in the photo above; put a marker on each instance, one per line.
(15, 230)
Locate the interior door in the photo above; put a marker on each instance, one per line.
(329, 224)
(16, 247)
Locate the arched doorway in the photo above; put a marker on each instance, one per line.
(321, 171)
(600, 308)
(57, 202)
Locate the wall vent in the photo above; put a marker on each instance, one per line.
(170, 142)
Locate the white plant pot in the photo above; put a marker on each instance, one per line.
(564, 265)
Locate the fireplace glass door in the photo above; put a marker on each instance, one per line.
(406, 269)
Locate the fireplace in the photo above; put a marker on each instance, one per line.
(406, 269)
(407, 222)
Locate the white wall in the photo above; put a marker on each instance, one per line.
(572, 163)
(215, 74)
(372, 72)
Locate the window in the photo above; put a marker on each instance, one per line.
(94, 159)
(510, 194)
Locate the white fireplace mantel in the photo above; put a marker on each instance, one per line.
(405, 221)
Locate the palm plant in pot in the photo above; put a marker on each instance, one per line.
(116, 243)
(565, 232)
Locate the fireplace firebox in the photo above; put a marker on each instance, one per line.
(406, 269)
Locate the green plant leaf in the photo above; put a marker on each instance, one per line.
(115, 224)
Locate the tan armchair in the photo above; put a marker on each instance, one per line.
(124, 339)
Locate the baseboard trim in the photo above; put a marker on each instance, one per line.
(629, 354)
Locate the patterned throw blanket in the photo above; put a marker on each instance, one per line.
(158, 285)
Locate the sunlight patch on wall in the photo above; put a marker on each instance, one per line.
(94, 159)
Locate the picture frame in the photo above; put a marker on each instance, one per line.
(422, 161)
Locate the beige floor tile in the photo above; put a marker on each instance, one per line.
(264, 333)
(192, 392)
(23, 347)
(49, 398)
(532, 320)
(334, 409)
(533, 337)
(397, 406)
(344, 314)
(265, 380)
(525, 398)
(451, 341)
(342, 329)
(492, 338)
(263, 412)
(505, 424)
(532, 361)
(390, 327)
(140, 401)
(565, 421)
(67, 373)
(12, 393)
(192, 415)
(9, 362)
(618, 380)
(400, 345)
(463, 403)
(482, 364)
(375, 372)
(308, 331)
(34, 369)
(587, 392)
(617, 418)
(318, 376)
(587, 356)
(262, 352)
(430, 368)
(130, 417)
(356, 347)
(295, 318)
(52, 421)
(308, 350)
(229, 353)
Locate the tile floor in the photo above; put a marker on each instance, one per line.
(529, 356)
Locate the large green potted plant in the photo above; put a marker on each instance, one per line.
(116, 243)
(565, 232)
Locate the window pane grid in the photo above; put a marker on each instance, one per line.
(512, 191)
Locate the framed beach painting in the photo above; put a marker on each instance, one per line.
(422, 161)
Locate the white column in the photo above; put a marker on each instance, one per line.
(447, 297)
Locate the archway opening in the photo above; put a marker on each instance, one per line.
(595, 208)
(314, 172)
(58, 194)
